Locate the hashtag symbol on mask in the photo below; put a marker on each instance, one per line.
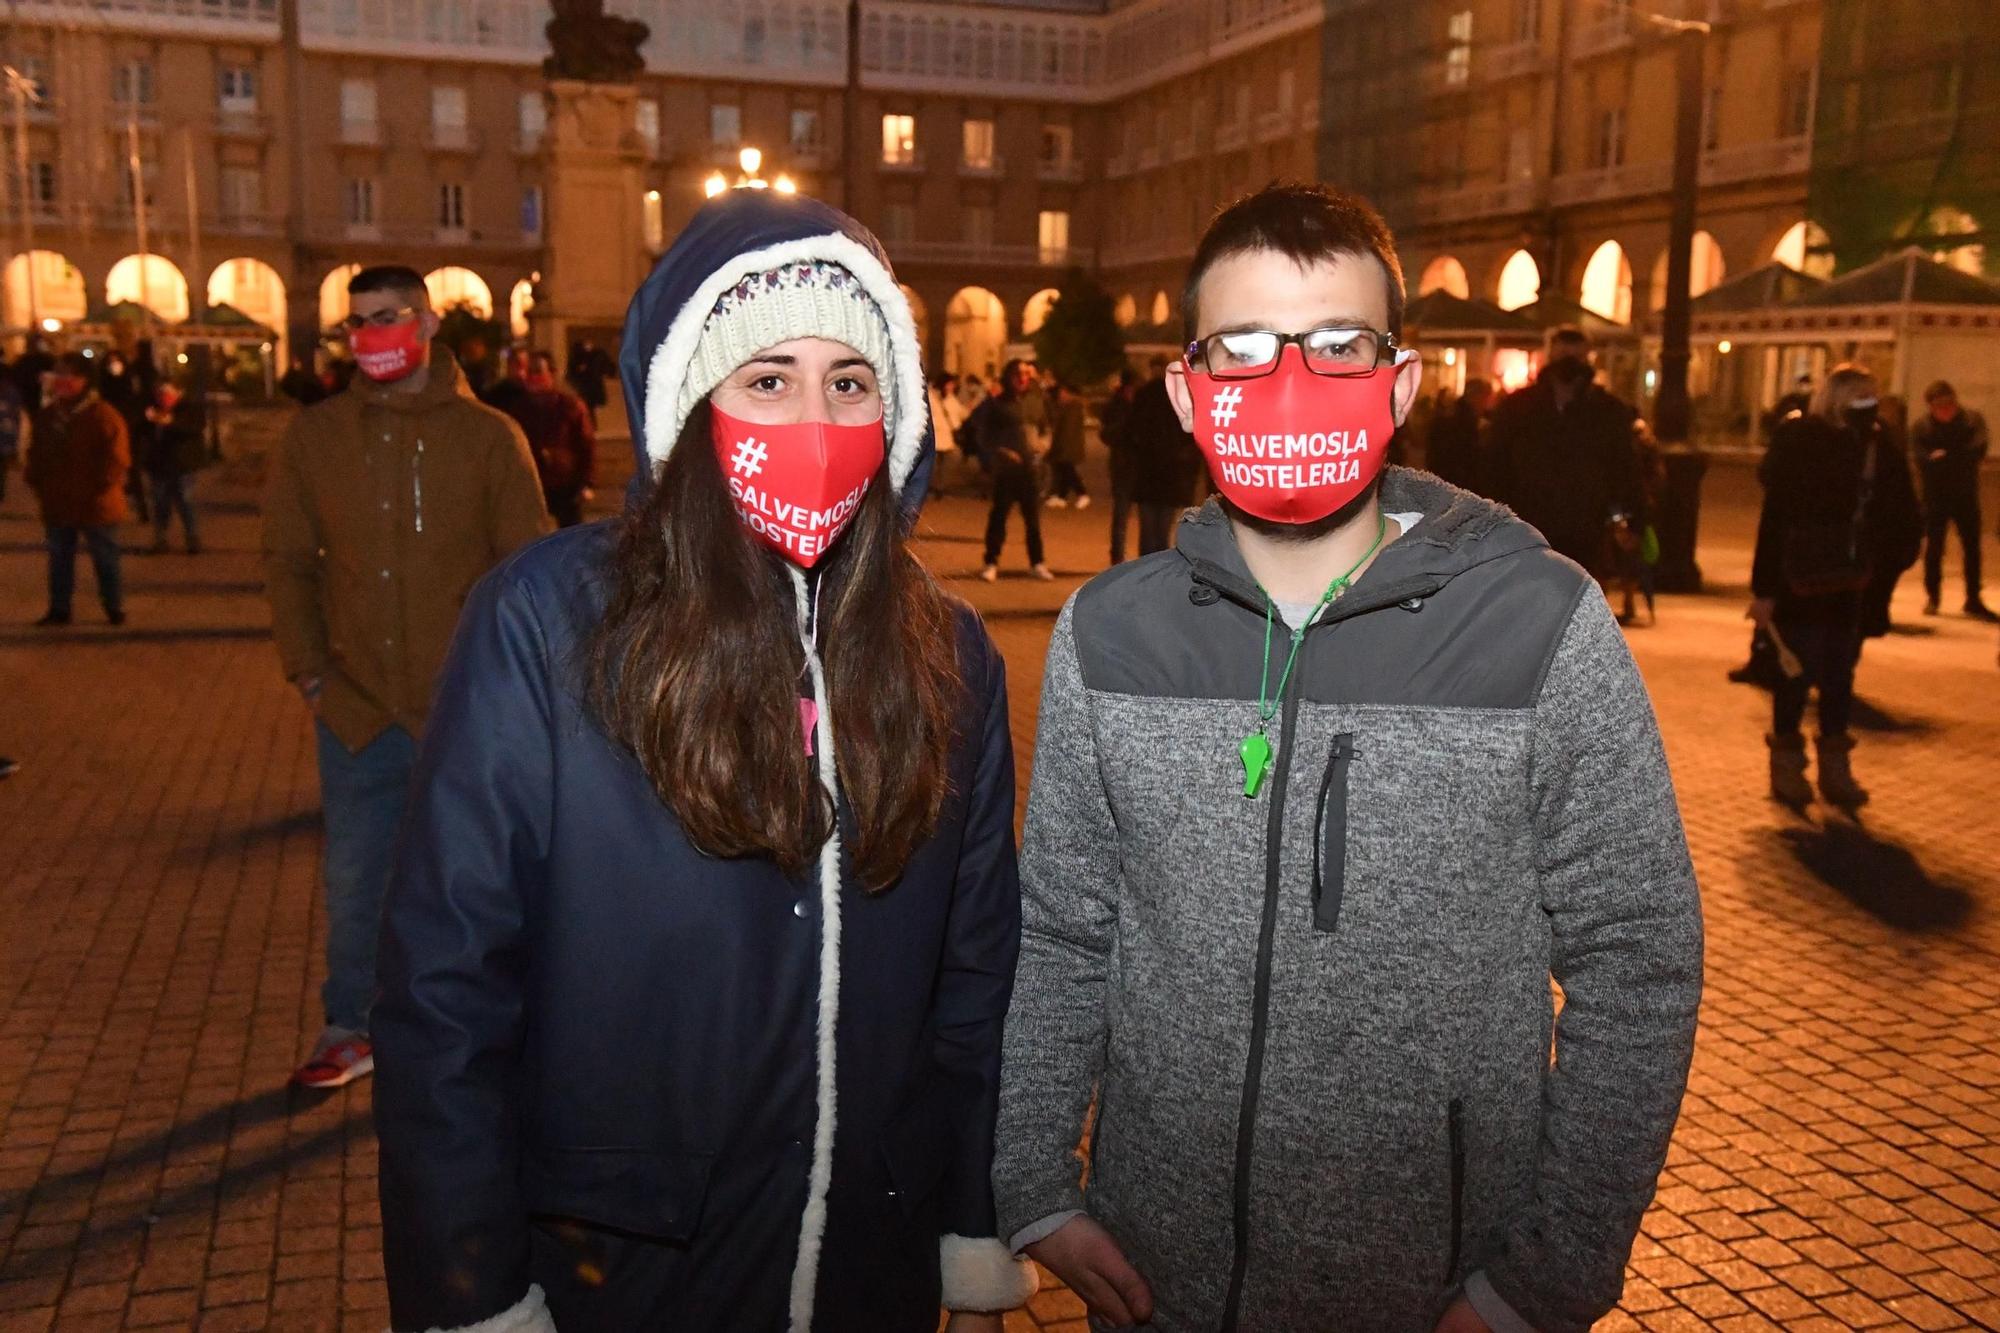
(1223, 411)
(749, 459)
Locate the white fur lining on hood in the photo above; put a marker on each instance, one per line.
(669, 365)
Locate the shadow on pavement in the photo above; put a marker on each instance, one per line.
(197, 587)
(231, 1174)
(70, 638)
(1882, 878)
(1867, 717)
(249, 835)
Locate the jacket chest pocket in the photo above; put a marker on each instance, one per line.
(1329, 851)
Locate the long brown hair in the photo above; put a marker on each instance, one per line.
(696, 668)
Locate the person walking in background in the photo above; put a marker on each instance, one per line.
(1562, 454)
(30, 373)
(385, 504)
(510, 386)
(1007, 449)
(300, 384)
(1456, 448)
(1166, 465)
(589, 368)
(78, 459)
(13, 420)
(130, 383)
(559, 433)
(1896, 536)
(1115, 429)
(1833, 481)
(1068, 426)
(1949, 442)
(176, 447)
(947, 415)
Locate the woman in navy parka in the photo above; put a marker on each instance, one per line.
(705, 916)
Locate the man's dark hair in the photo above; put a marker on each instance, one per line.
(1939, 389)
(1007, 373)
(1569, 333)
(1308, 224)
(388, 278)
(80, 364)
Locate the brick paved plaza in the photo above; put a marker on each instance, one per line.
(1837, 1163)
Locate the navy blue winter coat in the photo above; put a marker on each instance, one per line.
(596, 1044)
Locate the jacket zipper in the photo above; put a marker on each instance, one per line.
(1455, 1122)
(1329, 880)
(417, 483)
(1260, 1004)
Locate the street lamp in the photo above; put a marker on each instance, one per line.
(750, 161)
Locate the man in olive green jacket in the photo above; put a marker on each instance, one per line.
(386, 503)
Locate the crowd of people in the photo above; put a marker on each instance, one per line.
(1843, 519)
(1024, 440)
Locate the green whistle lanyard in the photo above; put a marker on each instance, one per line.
(1256, 747)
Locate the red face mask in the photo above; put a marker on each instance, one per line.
(386, 355)
(797, 487)
(1292, 446)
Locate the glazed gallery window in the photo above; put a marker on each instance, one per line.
(725, 124)
(236, 88)
(132, 82)
(358, 201)
(451, 207)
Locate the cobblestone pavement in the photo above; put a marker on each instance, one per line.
(1837, 1165)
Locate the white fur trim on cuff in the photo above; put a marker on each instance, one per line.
(530, 1314)
(981, 1276)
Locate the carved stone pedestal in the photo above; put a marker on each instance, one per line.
(595, 249)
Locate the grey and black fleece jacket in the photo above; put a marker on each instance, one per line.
(1318, 1023)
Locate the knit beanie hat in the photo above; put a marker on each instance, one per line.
(807, 298)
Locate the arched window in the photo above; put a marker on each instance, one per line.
(1520, 281)
(152, 281)
(1445, 274)
(1607, 283)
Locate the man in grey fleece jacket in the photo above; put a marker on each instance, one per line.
(1316, 1023)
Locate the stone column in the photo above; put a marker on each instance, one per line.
(594, 252)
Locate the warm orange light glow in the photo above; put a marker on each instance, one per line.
(714, 185)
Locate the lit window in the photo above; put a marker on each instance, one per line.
(899, 140)
(1052, 231)
(451, 207)
(979, 144)
(646, 123)
(1458, 49)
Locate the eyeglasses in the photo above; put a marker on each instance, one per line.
(1248, 353)
(381, 319)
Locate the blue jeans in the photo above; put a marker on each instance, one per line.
(103, 544)
(363, 794)
(170, 497)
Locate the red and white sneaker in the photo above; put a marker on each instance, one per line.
(338, 1059)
